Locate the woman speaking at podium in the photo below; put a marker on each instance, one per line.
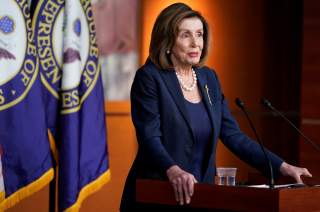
(179, 112)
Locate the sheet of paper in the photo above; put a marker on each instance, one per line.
(292, 185)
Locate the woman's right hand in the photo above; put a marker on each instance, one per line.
(182, 183)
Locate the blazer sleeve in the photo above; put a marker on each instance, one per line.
(146, 119)
(240, 144)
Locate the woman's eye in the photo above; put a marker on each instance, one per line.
(185, 35)
(199, 34)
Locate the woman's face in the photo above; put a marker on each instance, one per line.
(189, 43)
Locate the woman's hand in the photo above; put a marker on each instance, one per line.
(182, 183)
(294, 172)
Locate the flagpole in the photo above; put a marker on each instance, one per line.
(52, 193)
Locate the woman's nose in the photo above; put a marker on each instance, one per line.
(194, 41)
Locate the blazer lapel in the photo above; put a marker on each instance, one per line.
(173, 86)
(208, 100)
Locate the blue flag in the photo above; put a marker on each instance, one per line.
(66, 44)
(24, 146)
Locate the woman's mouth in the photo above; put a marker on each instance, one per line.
(193, 54)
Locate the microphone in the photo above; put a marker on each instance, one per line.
(240, 104)
(268, 105)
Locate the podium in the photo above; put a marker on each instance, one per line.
(232, 198)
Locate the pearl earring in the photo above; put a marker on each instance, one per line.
(168, 51)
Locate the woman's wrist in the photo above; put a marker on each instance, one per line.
(172, 169)
(284, 168)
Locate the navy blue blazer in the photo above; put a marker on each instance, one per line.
(164, 133)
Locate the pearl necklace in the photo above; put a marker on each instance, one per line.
(183, 84)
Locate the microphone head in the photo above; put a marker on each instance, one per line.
(239, 103)
(266, 102)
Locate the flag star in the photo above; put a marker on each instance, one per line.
(13, 92)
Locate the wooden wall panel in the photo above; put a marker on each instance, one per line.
(309, 156)
(310, 86)
(310, 71)
(281, 84)
(311, 61)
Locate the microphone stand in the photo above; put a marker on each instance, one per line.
(240, 104)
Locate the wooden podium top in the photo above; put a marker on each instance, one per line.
(233, 198)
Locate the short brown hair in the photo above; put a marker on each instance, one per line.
(165, 31)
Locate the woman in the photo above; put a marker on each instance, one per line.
(179, 112)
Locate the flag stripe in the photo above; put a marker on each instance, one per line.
(2, 196)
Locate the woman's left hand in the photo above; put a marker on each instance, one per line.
(294, 172)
